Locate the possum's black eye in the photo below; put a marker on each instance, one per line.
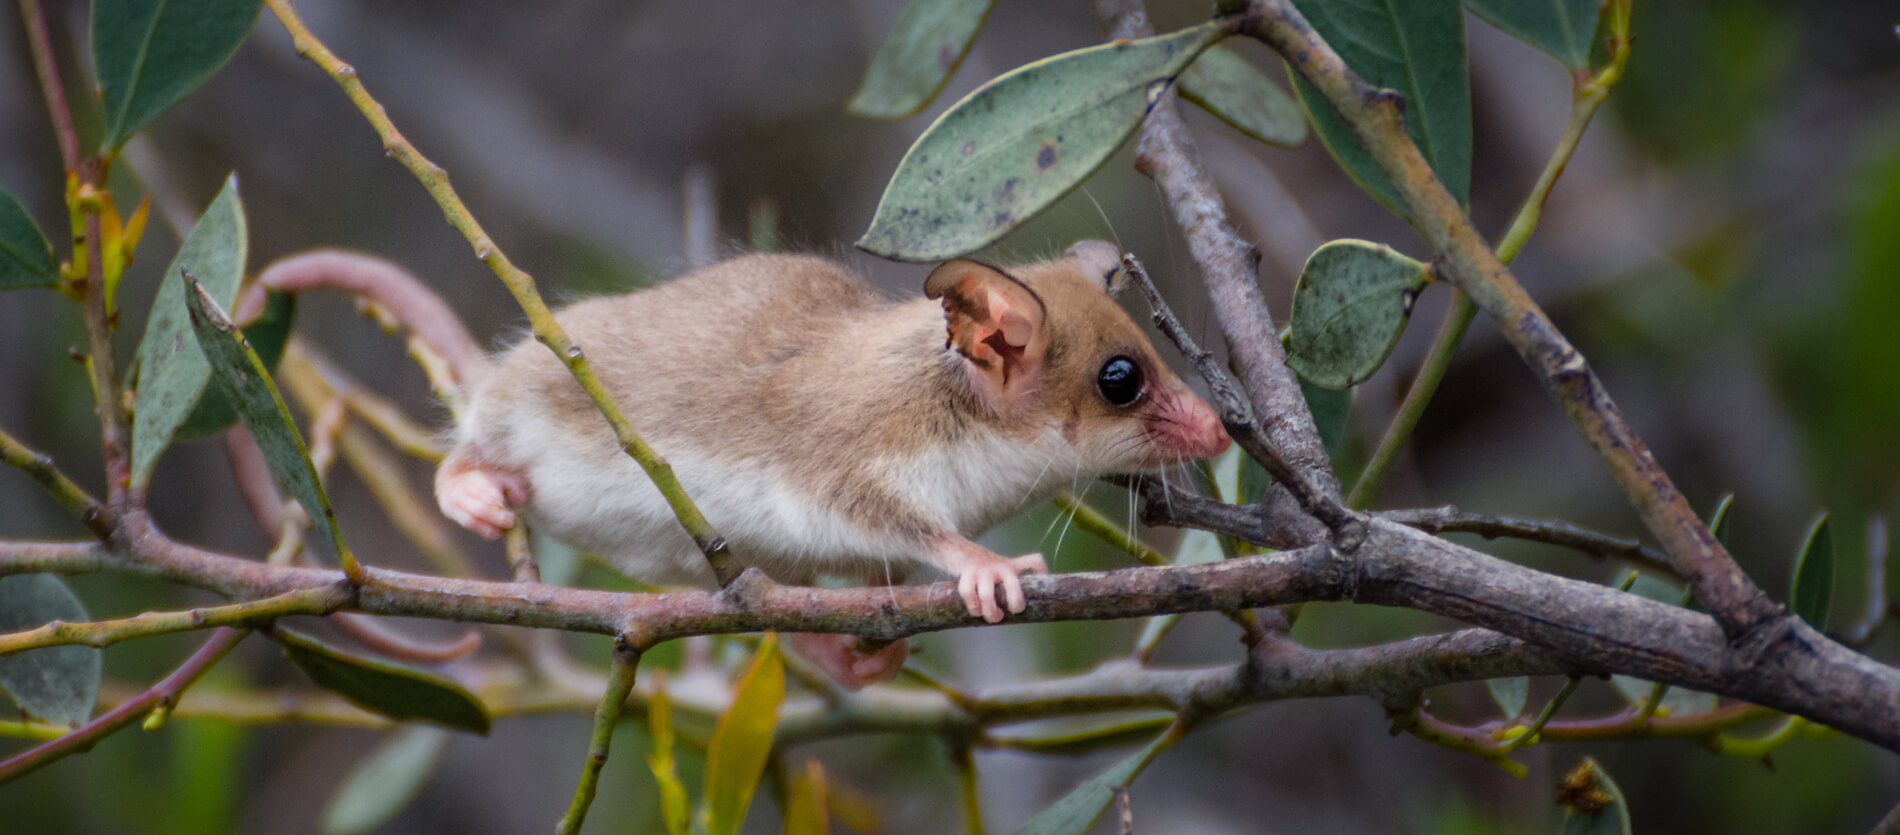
(1119, 381)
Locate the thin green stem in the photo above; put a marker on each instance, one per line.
(321, 600)
(1543, 717)
(619, 685)
(521, 285)
(63, 489)
(1089, 519)
(1451, 331)
(965, 761)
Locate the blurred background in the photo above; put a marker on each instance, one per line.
(1725, 247)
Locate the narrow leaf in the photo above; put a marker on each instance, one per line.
(1511, 694)
(918, 57)
(248, 384)
(1416, 47)
(26, 258)
(397, 691)
(268, 335)
(56, 684)
(1561, 28)
(149, 54)
(385, 781)
(1238, 93)
(1813, 587)
(1078, 810)
(1350, 306)
(806, 811)
(675, 811)
(1021, 142)
(173, 373)
(1718, 520)
(1593, 805)
(735, 759)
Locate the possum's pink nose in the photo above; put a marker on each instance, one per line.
(1208, 437)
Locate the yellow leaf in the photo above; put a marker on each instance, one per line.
(743, 739)
(675, 811)
(806, 812)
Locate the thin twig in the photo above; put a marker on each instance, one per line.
(1450, 519)
(105, 633)
(40, 43)
(160, 696)
(519, 284)
(1241, 423)
(620, 680)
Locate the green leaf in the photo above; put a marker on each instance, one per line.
(1416, 47)
(269, 334)
(1079, 809)
(56, 684)
(397, 691)
(1813, 587)
(1511, 694)
(1352, 302)
(918, 57)
(1332, 414)
(1718, 520)
(248, 384)
(172, 369)
(1238, 93)
(1561, 28)
(1022, 141)
(149, 54)
(1593, 805)
(385, 781)
(26, 258)
(735, 759)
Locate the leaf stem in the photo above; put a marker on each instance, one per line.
(40, 43)
(521, 285)
(620, 680)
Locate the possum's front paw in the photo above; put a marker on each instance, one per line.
(979, 571)
(483, 501)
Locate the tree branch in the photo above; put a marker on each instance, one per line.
(1376, 116)
(1449, 519)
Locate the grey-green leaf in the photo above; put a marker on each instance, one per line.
(1593, 804)
(1022, 141)
(1561, 28)
(1416, 47)
(172, 369)
(1078, 810)
(397, 691)
(247, 383)
(268, 335)
(1813, 588)
(1228, 86)
(26, 258)
(918, 57)
(149, 54)
(385, 781)
(1511, 694)
(1349, 308)
(55, 684)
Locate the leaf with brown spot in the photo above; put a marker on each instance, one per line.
(1047, 126)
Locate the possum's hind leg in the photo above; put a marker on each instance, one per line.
(478, 495)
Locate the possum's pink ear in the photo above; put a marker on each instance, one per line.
(994, 321)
